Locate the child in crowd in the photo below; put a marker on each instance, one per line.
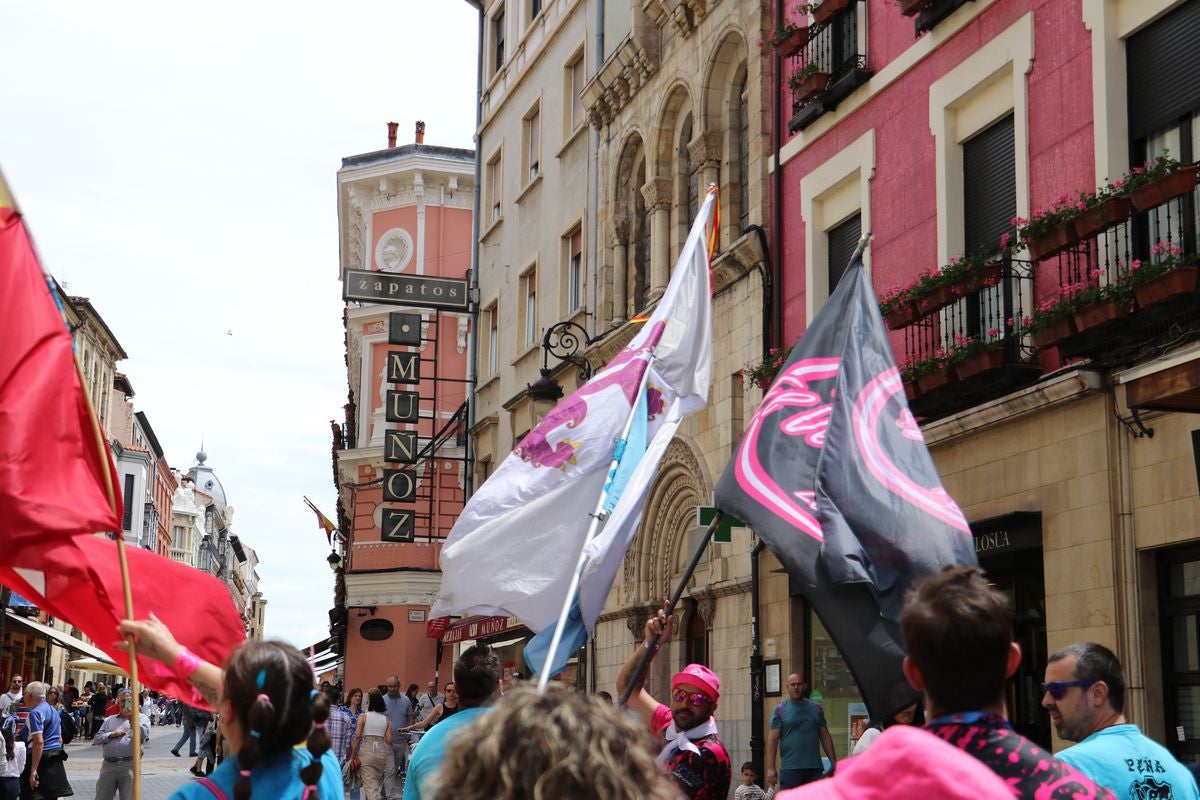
(749, 790)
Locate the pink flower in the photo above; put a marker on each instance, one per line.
(1118, 183)
(1095, 274)
(1005, 238)
(1135, 264)
(1026, 322)
(1138, 171)
(993, 332)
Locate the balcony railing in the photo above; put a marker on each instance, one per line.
(987, 324)
(833, 63)
(1130, 321)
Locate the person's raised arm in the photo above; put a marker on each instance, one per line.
(154, 640)
(658, 631)
(430, 718)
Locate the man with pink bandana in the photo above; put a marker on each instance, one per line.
(692, 750)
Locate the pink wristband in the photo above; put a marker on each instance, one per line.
(186, 663)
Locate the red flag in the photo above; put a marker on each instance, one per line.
(79, 580)
(53, 478)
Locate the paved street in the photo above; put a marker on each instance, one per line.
(162, 772)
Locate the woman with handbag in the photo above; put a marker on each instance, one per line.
(372, 740)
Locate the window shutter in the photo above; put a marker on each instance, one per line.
(989, 186)
(1163, 71)
(842, 241)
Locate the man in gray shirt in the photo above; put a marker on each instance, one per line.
(116, 736)
(400, 713)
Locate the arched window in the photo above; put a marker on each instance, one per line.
(741, 165)
(640, 234)
(690, 175)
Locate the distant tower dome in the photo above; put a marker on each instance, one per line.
(201, 457)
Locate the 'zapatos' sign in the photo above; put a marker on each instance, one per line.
(404, 290)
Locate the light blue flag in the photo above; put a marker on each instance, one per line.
(628, 452)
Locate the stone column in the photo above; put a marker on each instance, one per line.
(620, 245)
(705, 154)
(657, 194)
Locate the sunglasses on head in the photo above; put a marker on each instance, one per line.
(1058, 689)
(696, 699)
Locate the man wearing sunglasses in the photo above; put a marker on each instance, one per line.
(1085, 695)
(692, 753)
(958, 635)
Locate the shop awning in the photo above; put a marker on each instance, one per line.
(65, 639)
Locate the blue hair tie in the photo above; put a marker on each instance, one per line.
(256, 734)
(313, 695)
(261, 678)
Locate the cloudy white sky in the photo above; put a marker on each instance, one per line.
(176, 164)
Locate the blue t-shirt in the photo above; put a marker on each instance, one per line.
(44, 719)
(430, 753)
(1132, 765)
(277, 777)
(800, 733)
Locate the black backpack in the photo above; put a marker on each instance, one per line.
(69, 726)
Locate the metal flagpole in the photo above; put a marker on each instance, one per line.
(598, 518)
(648, 652)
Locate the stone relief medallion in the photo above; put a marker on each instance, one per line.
(394, 250)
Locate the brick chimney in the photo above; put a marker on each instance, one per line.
(392, 128)
(420, 131)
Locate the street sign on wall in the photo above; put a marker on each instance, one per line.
(419, 291)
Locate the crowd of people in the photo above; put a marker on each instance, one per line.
(284, 738)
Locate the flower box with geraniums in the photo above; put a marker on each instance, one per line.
(937, 288)
(1159, 180)
(970, 356)
(927, 374)
(1097, 306)
(827, 9)
(1047, 232)
(763, 373)
(897, 310)
(787, 39)
(1168, 274)
(807, 82)
(1100, 211)
(1052, 321)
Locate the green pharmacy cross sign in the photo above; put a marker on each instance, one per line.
(724, 532)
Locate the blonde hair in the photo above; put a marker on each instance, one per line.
(559, 745)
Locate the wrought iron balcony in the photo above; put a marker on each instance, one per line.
(974, 348)
(1121, 316)
(830, 65)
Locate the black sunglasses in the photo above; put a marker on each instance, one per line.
(1058, 689)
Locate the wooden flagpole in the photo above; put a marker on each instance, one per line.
(135, 721)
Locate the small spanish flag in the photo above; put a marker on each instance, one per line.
(323, 521)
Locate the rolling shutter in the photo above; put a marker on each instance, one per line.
(842, 241)
(1163, 71)
(989, 186)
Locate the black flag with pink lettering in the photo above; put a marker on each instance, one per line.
(833, 474)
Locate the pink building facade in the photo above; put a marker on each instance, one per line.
(933, 143)
(404, 211)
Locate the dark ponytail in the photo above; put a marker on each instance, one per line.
(262, 723)
(269, 685)
(318, 744)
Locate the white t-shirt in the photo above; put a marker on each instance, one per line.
(14, 767)
(7, 699)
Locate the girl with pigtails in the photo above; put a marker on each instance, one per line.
(272, 719)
